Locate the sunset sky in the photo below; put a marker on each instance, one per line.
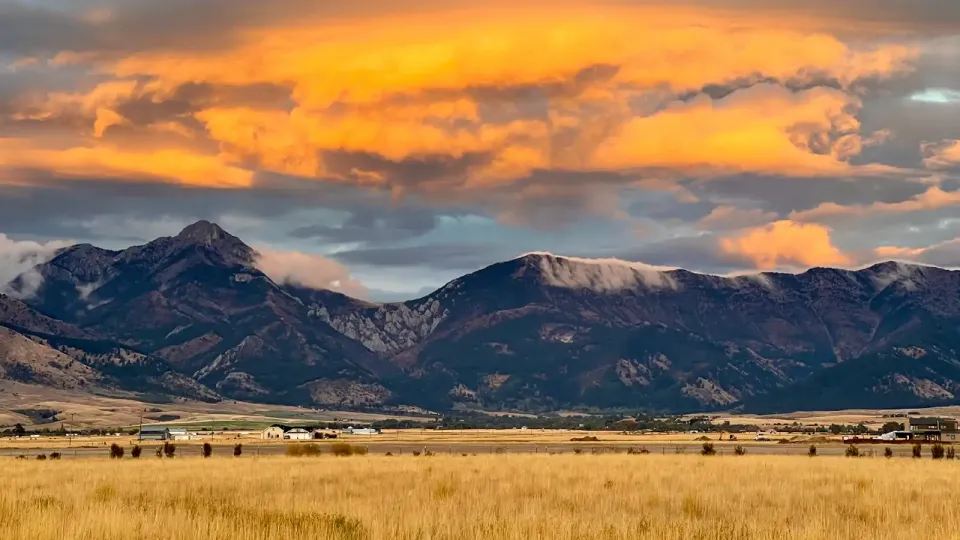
(390, 146)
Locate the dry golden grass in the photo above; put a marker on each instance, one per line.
(487, 497)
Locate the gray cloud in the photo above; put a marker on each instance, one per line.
(373, 227)
(460, 257)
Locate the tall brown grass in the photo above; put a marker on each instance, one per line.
(490, 497)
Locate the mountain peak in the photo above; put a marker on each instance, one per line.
(203, 231)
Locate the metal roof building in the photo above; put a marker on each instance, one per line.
(153, 433)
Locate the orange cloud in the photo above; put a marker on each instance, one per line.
(363, 61)
(525, 88)
(932, 199)
(765, 128)
(101, 161)
(786, 243)
(942, 155)
(893, 252)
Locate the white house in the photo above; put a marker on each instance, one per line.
(298, 434)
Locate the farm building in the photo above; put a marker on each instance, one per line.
(154, 433)
(298, 434)
(180, 434)
(273, 432)
(361, 431)
(933, 429)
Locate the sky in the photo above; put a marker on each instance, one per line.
(383, 148)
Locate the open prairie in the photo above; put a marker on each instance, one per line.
(485, 497)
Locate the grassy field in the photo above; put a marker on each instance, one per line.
(485, 497)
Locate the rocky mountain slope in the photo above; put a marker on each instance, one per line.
(108, 365)
(25, 360)
(539, 332)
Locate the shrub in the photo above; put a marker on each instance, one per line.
(708, 449)
(937, 451)
(951, 453)
(303, 450)
(56, 455)
(42, 457)
(345, 449)
(888, 452)
(159, 452)
(812, 451)
(135, 452)
(237, 450)
(207, 450)
(852, 451)
(588, 438)
(116, 451)
(416, 454)
(389, 454)
(637, 451)
(429, 454)
(341, 449)
(739, 450)
(578, 451)
(917, 449)
(169, 450)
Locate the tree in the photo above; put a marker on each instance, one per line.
(891, 426)
(237, 449)
(917, 449)
(19, 431)
(812, 452)
(860, 429)
(135, 453)
(708, 449)
(888, 452)
(169, 449)
(836, 429)
(207, 450)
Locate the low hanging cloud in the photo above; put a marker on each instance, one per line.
(786, 244)
(601, 275)
(311, 271)
(943, 254)
(19, 259)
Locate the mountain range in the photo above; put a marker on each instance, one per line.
(192, 316)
